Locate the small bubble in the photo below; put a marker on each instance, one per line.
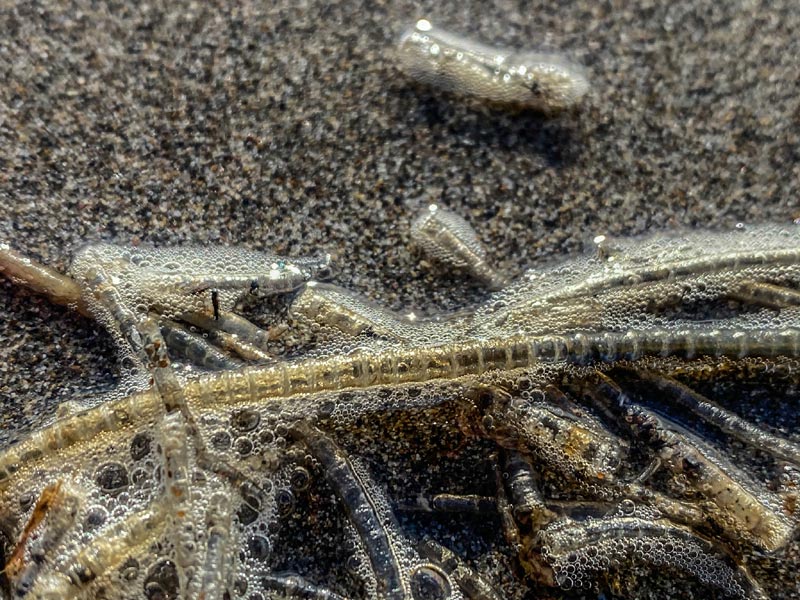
(26, 500)
(95, 517)
(129, 569)
(112, 478)
(243, 446)
(140, 446)
(429, 582)
(326, 408)
(162, 581)
(627, 507)
(259, 547)
(300, 479)
(245, 420)
(240, 585)
(221, 440)
(286, 501)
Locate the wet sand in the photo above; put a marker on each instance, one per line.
(285, 125)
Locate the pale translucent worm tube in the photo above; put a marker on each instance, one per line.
(579, 551)
(537, 80)
(449, 239)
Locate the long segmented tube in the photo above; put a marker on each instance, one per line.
(395, 367)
